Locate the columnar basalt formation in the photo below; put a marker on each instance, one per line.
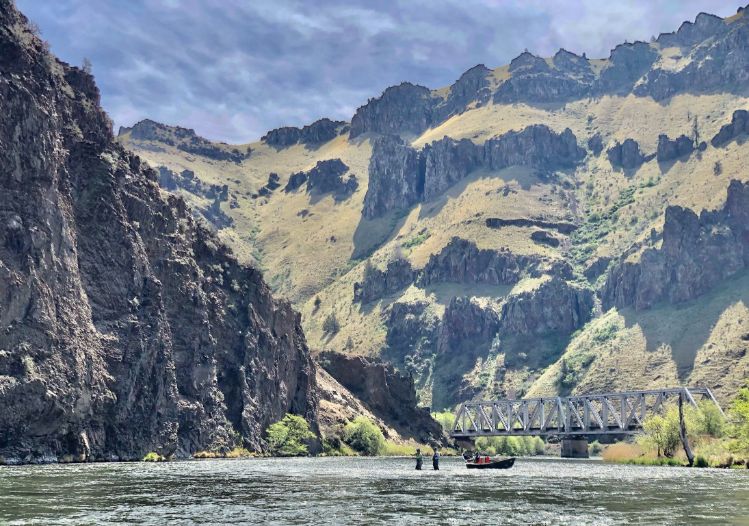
(400, 176)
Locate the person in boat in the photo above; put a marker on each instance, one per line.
(436, 459)
(419, 459)
(477, 457)
(467, 456)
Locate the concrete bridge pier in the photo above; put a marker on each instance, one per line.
(575, 448)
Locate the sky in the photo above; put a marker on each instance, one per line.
(234, 69)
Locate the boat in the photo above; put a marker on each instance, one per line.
(505, 463)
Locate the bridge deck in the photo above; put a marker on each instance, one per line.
(595, 414)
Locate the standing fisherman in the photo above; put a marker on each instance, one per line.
(419, 459)
(436, 459)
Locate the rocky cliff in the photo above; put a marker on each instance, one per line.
(696, 253)
(400, 176)
(317, 133)
(388, 394)
(125, 327)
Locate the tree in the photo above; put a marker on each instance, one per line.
(709, 420)
(87, 67)
(364, 436)
(287, 438)
(663, 432)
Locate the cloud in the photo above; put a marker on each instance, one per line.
(234, 69)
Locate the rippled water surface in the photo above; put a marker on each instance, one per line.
(366, 491)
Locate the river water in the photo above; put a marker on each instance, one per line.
(370, 490)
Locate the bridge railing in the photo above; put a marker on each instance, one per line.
(594, 414)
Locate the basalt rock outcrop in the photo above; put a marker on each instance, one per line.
(400, 176)
(536, 146)
(460, 261)
(554, 306)
(326, 177)
(406, 108)
(318, 132)
(738, 126)
(187, 180)
(471, 87)
(718, 59)
(533, 80)
(386, 393)
(379, 283)
(446, 162)
(396, 178)
(668, 149)
(697, 252)
(125, 327)
(184, 139)
(626, 155)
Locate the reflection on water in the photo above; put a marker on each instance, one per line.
(364, 491)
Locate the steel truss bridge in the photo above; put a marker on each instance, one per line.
(572, 416)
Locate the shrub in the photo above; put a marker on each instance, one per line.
(331, 325)
(511, 446)
(287, 437)
(153, 457)
(700, 462)
(709, 420)
(364, 436)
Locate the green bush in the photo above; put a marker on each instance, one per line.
(287, 437)
(709, 420)
(364, 436)
(700, 462)
(153, 457)
(446, 419)
(511, 446)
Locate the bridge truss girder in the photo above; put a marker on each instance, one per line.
(595, 414)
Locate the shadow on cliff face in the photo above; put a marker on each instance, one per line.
(687, 327)
(370, 234)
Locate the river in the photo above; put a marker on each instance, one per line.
(370, 490)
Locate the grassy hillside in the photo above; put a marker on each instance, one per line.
(313, 248)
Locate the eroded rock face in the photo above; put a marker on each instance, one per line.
(462, 262)
(446, 162)
(626, 65)
(718, 61)
(473, 85)
(669, 150)
(386, 393)
(690, 33)
(184, 139)
(626, 155)
(403, 108)
(396, 178)
(317, 133)
(536, 146)
(380, 283)
(399, 176)
(125, 327)
(728, 132)
(555, 306)
(697, 252)
(533, 80)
